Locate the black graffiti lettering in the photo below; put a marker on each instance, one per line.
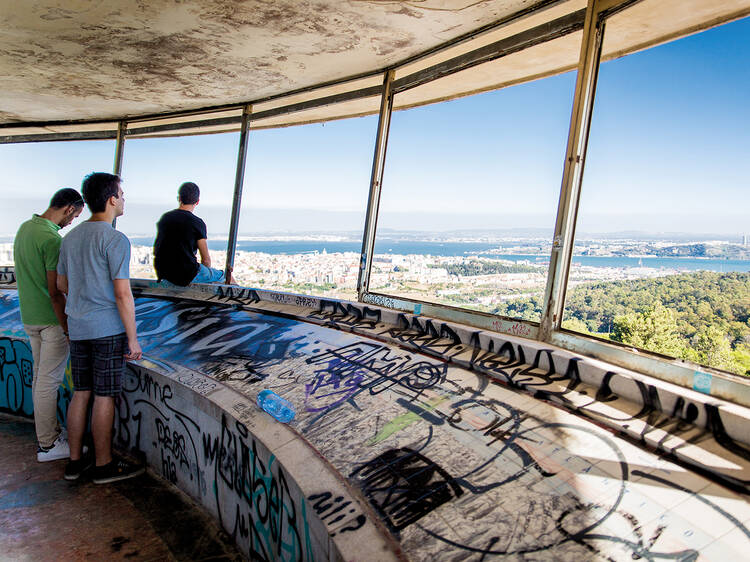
(122, 420)
(7, 275)
(494, 430)
(210, 448)
(604, 392)
(495, 364)
(716, 427)
(345, 315)
(168, 467)
(346, 517)
(173, 442)
(421, 412)
(265, 509)
(241, 526)
(261, 493)
(358, 523)
(364, 366)
(438, 340)
(291, 518)
(236, 295)
(215, 339)
(404, 486)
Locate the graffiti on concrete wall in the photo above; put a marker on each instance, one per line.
(16, 374)
(527, 487)
(555, 377)
(217, 461)
(340, 514)
(426, 335)
(340, 375)
(337, 314)
(7, 275)
(257, 501)
(208, 337)
(16, 370)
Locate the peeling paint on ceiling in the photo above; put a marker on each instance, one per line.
(75, 59)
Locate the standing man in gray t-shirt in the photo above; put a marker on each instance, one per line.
(93, 271)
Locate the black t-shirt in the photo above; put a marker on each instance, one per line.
(177, 235)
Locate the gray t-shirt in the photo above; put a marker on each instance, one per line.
(92, 255)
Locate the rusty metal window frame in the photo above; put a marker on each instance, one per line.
(549, 329)
(570, 23)
(733, 388)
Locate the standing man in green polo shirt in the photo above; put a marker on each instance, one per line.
(36, 250)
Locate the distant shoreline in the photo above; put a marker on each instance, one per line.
(471, 250)
(530, 252)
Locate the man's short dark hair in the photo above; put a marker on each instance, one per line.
(189, 193)
(97, 188)
(64, 197)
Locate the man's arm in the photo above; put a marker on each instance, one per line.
(57, 298)
(61, 283)
(126, 308)
(203, 251)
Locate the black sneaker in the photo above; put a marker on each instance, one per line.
(74, 469)
(117, 469)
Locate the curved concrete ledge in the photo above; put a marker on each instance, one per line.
(666, 417)
(264, 484)
(420, 439)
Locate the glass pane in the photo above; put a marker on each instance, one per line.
(469, 199)
(661, 257)
(33, 172)
(303, 207)
(154, 169)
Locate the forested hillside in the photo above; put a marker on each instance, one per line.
(703, 317)
(485, 267)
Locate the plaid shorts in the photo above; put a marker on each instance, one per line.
(98, 364)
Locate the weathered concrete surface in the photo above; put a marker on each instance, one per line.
(113, 60)
(453, 464)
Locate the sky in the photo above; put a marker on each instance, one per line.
(667, 153)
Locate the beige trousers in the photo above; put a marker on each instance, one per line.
(49, 349)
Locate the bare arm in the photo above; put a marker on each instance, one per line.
(126, 308)
(62, 283)
(203, 251)
(57, 298)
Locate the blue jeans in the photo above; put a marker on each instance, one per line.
(208, 275)
(205, 275)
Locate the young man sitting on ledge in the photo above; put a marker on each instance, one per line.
(179, 235)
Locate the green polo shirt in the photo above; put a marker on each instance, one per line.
(36, 250)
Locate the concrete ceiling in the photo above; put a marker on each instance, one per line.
(76, 61)
(73, 59)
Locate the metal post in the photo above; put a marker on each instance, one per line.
(570, 191)
(376, 183)
(122, 128)
(239, 180)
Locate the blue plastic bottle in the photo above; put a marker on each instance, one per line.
(275, 405)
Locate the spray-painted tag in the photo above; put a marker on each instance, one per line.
(702, 382)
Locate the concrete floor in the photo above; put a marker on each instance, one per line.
(44, 517)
